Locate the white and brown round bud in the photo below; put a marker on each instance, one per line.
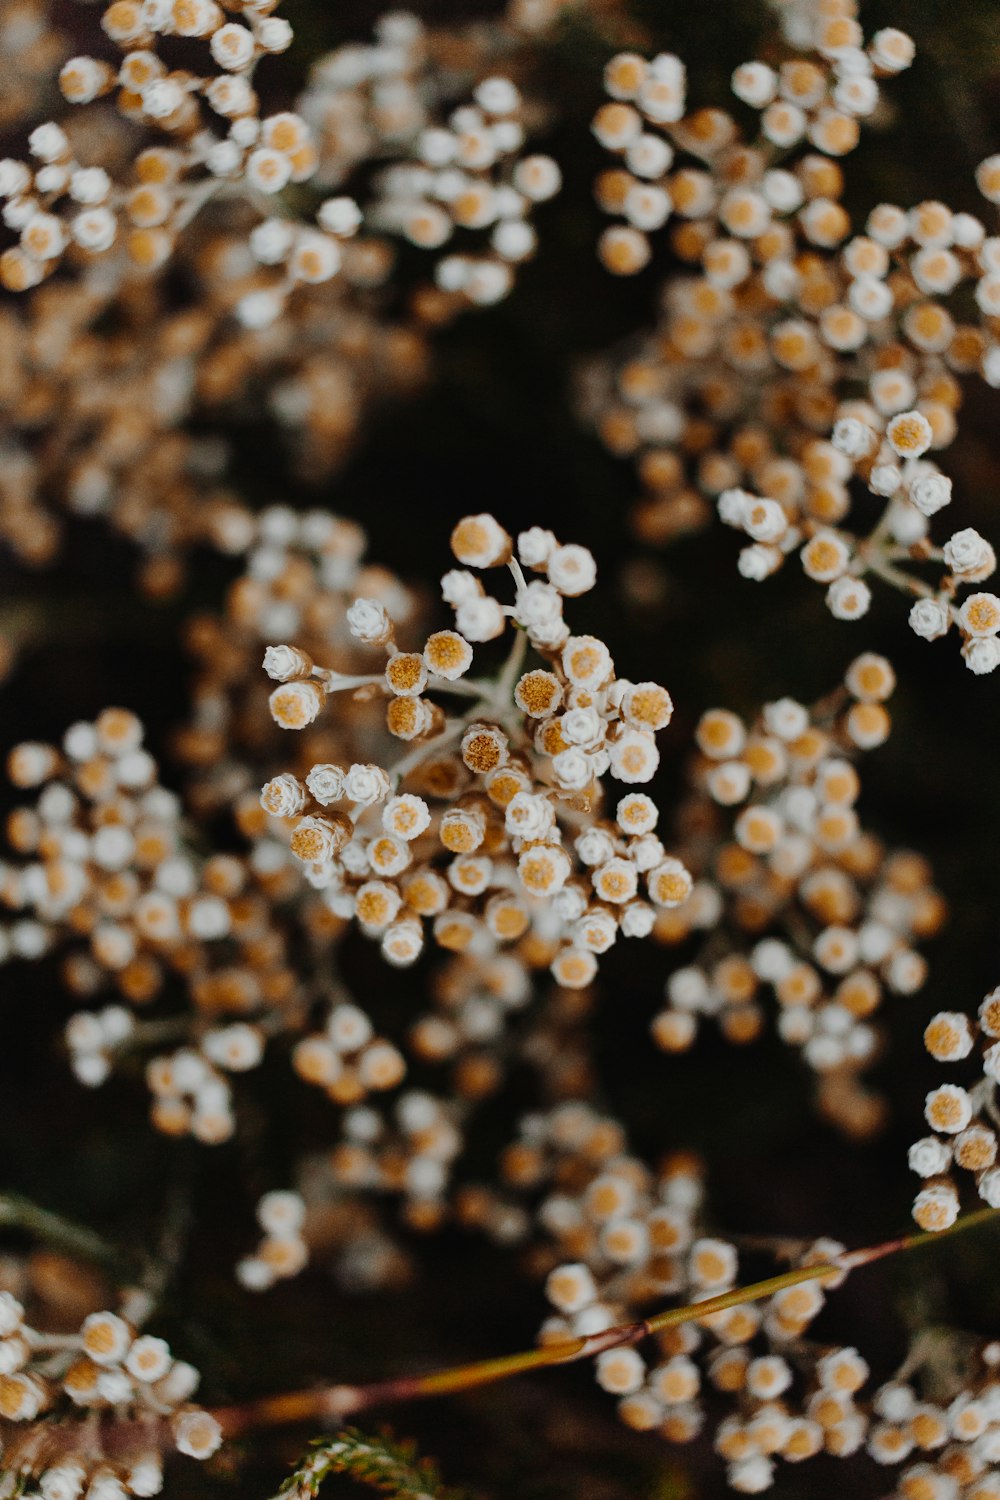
(297, 704)
(481, 542)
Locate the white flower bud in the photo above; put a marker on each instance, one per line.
(930, 493)
(48, 141)
(339, 216)
(852, 437)
(368, 621)
(968, 553)
(929, 1156)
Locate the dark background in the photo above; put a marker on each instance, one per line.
(495, 430)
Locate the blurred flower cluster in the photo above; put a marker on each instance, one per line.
(162, 174)
(801, 353)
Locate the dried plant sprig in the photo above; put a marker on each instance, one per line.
(390, 1465)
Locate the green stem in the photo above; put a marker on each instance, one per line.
(17, 1212)
(334, 1403)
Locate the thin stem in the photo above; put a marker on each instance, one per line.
(517, 573)
(913, 1241)
(334, 1403)
(45, 1343)
(504, 689)
(493, 698)
(76, 1239)
(462, 687)
(880, 532)
(448, 736)
(195, 201)
(898, 579)
(340, 682)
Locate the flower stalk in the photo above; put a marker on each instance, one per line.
(332, 1404)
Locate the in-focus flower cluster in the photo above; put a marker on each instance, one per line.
(490, 825)
(54, 1388)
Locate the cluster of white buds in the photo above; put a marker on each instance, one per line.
(890, 451)
(299, 575)
(207, 190)
(109, 876)
(794, 897)
(944, 1431)
(98, 793)
(54, 1387)
(491, 824)
(817, 104)
(348, 1060)
(470, 174)
(616, 1238)
(185, 178)
(60, 203)
(649, 98)
(964, 1120)
(367, 101)
(749, 368)
(865, 314)
(405, 1155)
(305, 255)
(476, 1001)
(282, 1252)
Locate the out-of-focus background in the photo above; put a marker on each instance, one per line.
(497, 430)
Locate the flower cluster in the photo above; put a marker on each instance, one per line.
(617, 1237)
(490, 825)
(230, 202)
(60, 203)
(964, 1121)
(54, 1387)
(404, 1156)
(470, 175)
(733, 200)
(109, 874)
(299, 574)
(794, 897)
(125, 454)
(744, 394)
(949, 1445)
